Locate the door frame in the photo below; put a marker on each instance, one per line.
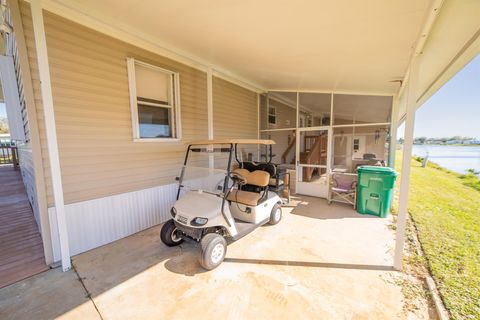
(308, 188)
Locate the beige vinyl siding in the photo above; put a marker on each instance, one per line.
(98, 157)
(286, 118)
(235, 113)
(285, 115)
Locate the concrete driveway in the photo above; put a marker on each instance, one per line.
(320, 262)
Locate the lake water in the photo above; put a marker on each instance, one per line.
(455, 158)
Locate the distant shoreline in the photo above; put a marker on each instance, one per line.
(446, 145)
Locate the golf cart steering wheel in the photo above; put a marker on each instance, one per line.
(238, 178)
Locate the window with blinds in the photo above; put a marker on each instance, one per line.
(154, 101)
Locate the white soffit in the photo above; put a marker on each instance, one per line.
(454, 29)
(453, 42)
(345, 45)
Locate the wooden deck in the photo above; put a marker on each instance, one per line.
(21, 248)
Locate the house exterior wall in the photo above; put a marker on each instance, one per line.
(113, 186)
(29, 152)
(92, 109)
(285, 115)
(235, 114)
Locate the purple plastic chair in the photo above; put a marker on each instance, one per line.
(343, 188)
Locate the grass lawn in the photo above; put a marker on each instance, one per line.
(447, 215)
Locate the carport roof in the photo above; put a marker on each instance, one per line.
(330, 45)
(354, 46)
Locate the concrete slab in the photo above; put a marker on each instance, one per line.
(49, 295)
(320, 262)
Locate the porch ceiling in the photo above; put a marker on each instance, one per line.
(307, 44)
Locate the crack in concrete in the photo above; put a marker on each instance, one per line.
(89, 295)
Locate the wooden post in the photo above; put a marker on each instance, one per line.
(14, 157)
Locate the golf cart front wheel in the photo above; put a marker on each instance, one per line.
(213, 250)
(168, 234)
(276, 214)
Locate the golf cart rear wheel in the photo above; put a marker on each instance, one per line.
(168, 234)
(213, 250)
(276, 214)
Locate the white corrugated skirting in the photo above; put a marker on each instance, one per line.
(94, 223)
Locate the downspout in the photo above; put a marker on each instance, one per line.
(430, 17)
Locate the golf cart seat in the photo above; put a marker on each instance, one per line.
(245, 197)
(258, 179)
(278, 175)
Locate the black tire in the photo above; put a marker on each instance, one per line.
(274, 217)
(168, 234)
(211, 247)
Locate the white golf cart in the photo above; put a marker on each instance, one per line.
(218, 204)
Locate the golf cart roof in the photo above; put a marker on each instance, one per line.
(232, 141)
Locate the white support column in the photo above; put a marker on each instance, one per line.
(407, 156)
(392, 148)
(211, 159)
(258, 125)
(50, 128)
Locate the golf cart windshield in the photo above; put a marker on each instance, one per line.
(196, 173)
(204, 179)
(208, 162)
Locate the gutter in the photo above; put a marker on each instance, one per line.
(430, 17)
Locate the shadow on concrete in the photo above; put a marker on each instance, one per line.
(311, 264)
(187, 262)
(318, 208)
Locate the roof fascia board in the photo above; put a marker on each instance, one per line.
(468, 52)
(429, 20)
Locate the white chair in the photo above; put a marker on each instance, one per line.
(343, 188)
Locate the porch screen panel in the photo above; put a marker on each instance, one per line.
(361, 109)
(279, 111)
(284, 148)
(375, 140)
(342, 148)
(314, 109)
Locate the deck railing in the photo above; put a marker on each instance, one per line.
(8, 152)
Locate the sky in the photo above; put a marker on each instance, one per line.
(454, 110)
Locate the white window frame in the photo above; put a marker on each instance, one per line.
(174, 88)
(274, 115)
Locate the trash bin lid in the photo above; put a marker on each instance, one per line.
(377, 170)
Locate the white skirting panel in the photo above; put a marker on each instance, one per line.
(94, 223)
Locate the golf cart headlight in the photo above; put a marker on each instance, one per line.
(199, 221)
(173, 212)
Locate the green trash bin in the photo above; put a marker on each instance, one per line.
(375, 190)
